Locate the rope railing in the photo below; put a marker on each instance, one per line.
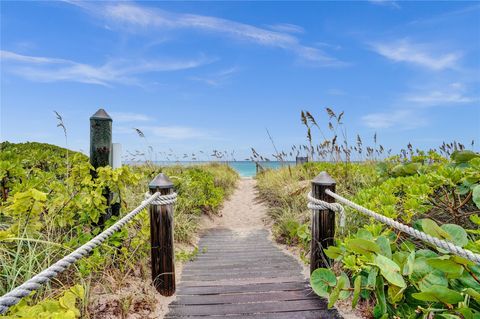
(318, 204)
(14, 296)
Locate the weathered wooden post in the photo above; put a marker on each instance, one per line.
(323, 222)
(100, 139)
(100, 156)
(161, 238)
(300, 160)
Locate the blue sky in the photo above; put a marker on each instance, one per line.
(214, 75)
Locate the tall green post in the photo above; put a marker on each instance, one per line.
(100, 139)
(100, 155)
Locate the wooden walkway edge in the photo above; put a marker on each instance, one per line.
(243, 275)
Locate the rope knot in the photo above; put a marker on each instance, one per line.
(315, 203)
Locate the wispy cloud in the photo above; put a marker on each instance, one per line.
(135, 18)
(218, 78)
(390, 3)
(336, 92)
(412, 109)
(455, 93)
(417, 53)
(401, 119)
(46, 69)
(127, 117)
(286, 27)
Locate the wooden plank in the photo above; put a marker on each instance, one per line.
(316, 314)
(226, 289)
(191, 283)
(240, 275)
(245, 277)
(244, 297)
(248, 308)
(233, 270)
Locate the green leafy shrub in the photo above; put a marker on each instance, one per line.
(47, 211)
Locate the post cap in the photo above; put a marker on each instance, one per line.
(323, 179)
(160, 181)
(101, 114)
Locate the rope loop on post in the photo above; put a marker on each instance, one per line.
(14, 296)
(167, 199)
(439, 243)
(314, 204)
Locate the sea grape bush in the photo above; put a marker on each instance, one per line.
(384, 273)
(47, 211)
(408, 279)
(404, 281)
(63, 307)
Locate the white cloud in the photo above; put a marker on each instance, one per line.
(45, 69)
(132, 17)
(8, 55)
(391, 3)
(337, 92)
(286, 27)
(401, 119)
(218, 78)
(419, 54)
(452, 94)
(125, 117)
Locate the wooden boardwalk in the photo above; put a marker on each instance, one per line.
(244, 276)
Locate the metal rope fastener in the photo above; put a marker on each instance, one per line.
(14, 296)
(452, 248)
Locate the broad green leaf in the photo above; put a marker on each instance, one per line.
(468, 281)
(384, 245)
(345, 293)
(475, 218)
(448, 316)
(372, 277)
(362, 246)
(322, 281)
(408, 266)
(473, 293)
(462, 261)
(395, 294)
(390, 270)
(430, 227)
(424, 276)
(457, 234)
(381, 306)
(463, 156)
(364, 234)
(79, 291)
(357, 287)
(467, 313)
(448, 266)
(333, 252)
(68, 300)
(335, 294)
(439, 294)
(476, 195)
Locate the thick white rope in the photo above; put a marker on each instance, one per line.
(14, 296)
(317, 204)
(452, 248)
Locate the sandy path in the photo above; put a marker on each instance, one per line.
(242, 211)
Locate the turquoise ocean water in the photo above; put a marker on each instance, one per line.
(244, 168)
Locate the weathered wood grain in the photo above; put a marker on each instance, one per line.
(244, 276)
